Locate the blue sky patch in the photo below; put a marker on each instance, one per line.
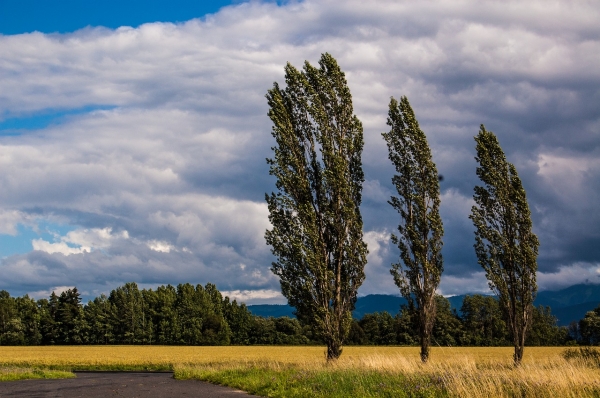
(40, 120)
(21, 242)
(61, 16)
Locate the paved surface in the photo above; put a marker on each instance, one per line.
(117, 384)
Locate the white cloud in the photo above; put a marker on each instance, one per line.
(456, 206)
(9, 219)
(159, 246)
(373, 190)
(568, 275)
(58, 247)
(262, 296)
(476, 282)
(168, 132)
(377, 243)
(46, 293)
(377, 271)
(568, 177)
(80, 241)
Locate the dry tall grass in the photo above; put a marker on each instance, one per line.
(459, 372)
(152, 357)
(468, 375)
(73, 356)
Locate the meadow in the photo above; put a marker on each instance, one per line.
(283, 371)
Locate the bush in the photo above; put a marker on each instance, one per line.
(585, 354)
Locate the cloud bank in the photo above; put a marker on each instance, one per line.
(153, 156)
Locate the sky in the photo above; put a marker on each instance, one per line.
(133, 135)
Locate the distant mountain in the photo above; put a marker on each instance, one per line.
(566, 315)
(456, 302)
(568, 305)
(364, 305)
(572, 295)
(377, 303)
(274, 310)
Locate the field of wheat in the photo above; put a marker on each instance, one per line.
(164, 357)
(150, 357)
(278, 371)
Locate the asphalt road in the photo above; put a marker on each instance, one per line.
(117, 384)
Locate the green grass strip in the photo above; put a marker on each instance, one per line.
(15, 373)
(294, 382)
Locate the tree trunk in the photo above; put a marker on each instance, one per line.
(334, 349)
(425, 347)
(518, 356)
(426, 320)
(519, 347)
(425, 333)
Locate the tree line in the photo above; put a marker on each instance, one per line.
(168, 315)
(200, 315)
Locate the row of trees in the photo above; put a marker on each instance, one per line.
(167, 315)
(480, 323)
(188, 315)
(317, 235)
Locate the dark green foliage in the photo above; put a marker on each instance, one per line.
(69, 318)
(544, 330)
(196, 315)
(420, 231)
(407, 325)
(128, 315)
(280, 331)
(239, 320)
(589, 327)
(447, 329)
(163, 312)
(483, 322)
(98, 315)
(379, 329)
(189, 315)
(29, 313)
(357, 335)
(484, 325)
(505, 245)
(11, 327)
(317, 227)
(48, 325)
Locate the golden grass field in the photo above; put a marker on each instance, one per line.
(292, 371)
(75, 357)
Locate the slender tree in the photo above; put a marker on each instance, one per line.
(317, 232)
(420, 231)
(505, 245)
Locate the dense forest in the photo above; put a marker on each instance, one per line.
(200, 315)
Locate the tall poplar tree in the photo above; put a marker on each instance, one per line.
(420, 231)
(317, 232)
(505, 245)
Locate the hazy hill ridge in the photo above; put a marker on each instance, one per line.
(569, 304)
